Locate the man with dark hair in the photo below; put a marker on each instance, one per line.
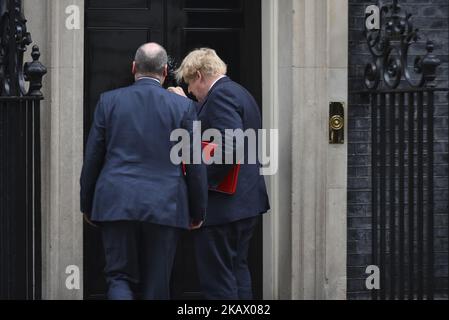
(131, 188)
(151, 60)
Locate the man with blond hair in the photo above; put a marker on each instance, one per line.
(222, 244)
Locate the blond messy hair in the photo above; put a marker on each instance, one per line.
(204, 60)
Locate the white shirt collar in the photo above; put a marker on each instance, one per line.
(216, 81)
(150, 78)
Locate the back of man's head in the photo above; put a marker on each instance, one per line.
(151, 59)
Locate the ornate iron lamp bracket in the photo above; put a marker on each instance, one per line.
(390, 49)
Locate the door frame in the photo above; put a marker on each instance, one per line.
(270, 110)
(270, 114)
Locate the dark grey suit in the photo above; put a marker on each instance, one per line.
(130, 186)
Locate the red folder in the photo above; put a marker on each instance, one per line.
(229, 183)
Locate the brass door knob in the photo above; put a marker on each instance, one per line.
(337, 122)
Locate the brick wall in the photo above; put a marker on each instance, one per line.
(431, 17)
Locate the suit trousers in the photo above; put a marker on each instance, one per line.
(222, 260)
(139, 257)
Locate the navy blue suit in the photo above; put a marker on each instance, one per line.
(128, 178)
(222, 246)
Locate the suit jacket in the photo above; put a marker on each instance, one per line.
(127, 172)
(230, 106)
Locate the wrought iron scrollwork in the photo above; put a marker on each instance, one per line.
(14, 39)
(390, 47)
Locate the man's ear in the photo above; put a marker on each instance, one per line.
(165, 74)
(199, 76)
(134, 69)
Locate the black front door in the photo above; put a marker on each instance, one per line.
(114, 30)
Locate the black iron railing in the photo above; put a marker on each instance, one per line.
(20, 183)
(402, 98)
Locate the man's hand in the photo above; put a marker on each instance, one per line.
(178, 90)
(194, 225)
(88, 221)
